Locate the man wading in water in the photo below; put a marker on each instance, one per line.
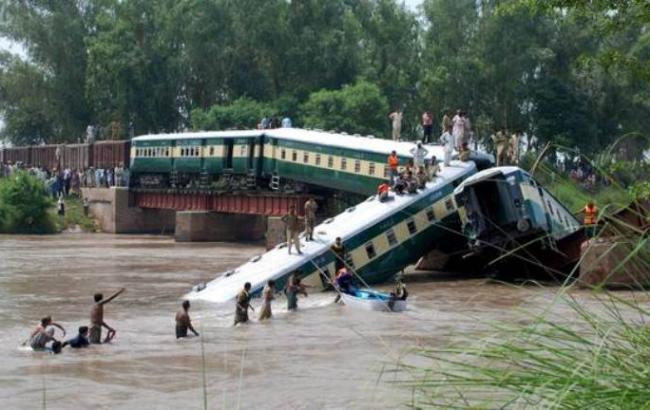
(243, 304)
(183, 322)
(97, 319)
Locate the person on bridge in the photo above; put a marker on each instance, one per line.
(183, 321)
(310, 218)
(97, 318)
(292, 226)
(338, 249)
(243, 304)
(393, 164)
(396, 121)
(590, 219)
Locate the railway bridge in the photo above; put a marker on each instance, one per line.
(194, 215)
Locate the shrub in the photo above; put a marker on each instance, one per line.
(25, 206)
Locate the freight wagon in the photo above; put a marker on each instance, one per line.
(78, 156)
(110, 154)
(48, 156)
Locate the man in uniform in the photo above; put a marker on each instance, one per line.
(501, 143)
(243, 304)
(97, 319)
(310, 218)
(292, 226)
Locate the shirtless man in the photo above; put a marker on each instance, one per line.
(183, 322)
(97, 319)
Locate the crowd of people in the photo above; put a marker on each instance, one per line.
(272, 122)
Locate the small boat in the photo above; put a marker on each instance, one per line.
(368, 299)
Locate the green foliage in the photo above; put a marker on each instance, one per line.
(25, 206)
(243, 113)
(159, 62)
(358, 108)
(74, 216)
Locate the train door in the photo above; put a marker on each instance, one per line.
(228, 152)
(250, 163)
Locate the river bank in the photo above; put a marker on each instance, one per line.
(323, 356)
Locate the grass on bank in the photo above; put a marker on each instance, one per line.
(74, 216)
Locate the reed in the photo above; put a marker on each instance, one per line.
(597, 361)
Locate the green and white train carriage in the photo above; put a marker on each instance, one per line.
(155, 157)
(381, 239)
(338, 161)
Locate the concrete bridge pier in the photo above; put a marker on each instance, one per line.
(114, 213)
(206, 226)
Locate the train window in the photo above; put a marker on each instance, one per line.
(317, 159)
(449, 204)
(344, 164)
(182, 152)
(211, 151)
(330, 161)
(430, 215)
(294, 156)
(198, 151)
(283, 154)
(550, 207)
(386, 172)
(371, 169)
(305, 157)
(392, 239)
(410, 224)
(167, 152)
(357, 166)
(242, 150)
(370, 250)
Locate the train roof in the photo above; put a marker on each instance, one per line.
(200, 134)
(486, 174)
(354, 142)
(276, 263)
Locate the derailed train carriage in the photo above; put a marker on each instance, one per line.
(347, 163)
(512, 224)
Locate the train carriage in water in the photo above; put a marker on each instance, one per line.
(508, 217)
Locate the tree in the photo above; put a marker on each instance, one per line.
(359, 108)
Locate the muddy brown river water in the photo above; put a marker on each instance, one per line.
(324, 356)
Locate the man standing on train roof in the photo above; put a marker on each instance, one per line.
(310, 218)
(427, 127)
(243, 304)
(448, 141)
(286, 122)
(292, 226)
(339, 254)
(396, 121)
(183, 321)
(419, 154)
(97, 318)
(447, 123)
(500, 140)
(393, 164)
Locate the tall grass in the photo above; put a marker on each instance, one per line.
(74, 216)
(594, 361)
